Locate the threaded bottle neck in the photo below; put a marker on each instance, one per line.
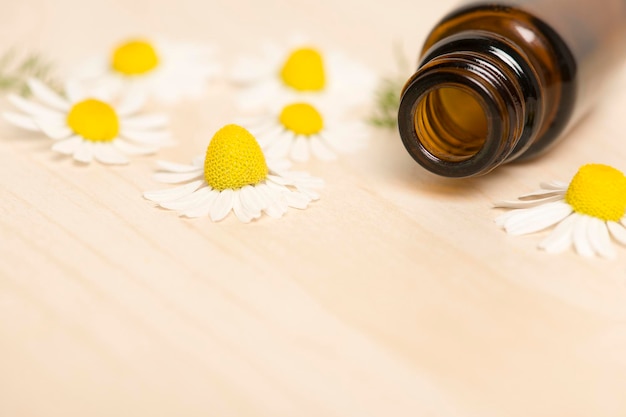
(472, 105)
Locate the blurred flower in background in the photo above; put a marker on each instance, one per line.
(164, 70)
(301, 70)
(300, 130)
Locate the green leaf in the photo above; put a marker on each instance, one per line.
(387, 102)
(16, 69)
(387, 95)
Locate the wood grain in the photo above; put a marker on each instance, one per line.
(394, 295)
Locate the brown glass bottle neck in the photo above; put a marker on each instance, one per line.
(489, 68)
(550, 58)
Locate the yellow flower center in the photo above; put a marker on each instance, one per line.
(598, 191)
(134, 58)
(94, 120)
(302, 119)
(304, 70)
(234, 159)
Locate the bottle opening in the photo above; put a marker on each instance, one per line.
(451, 123)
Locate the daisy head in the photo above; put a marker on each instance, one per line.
(299, 129)
(301, 71)
(234, 175)
(90, 126)
(161, 69)
(587, 212)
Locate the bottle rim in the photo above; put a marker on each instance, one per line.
(501, 81)
(500, 139)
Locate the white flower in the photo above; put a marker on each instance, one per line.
(299, 129)
(301, 71)
(89, 126)
(233, 175)
(162, 69)
(587, 212)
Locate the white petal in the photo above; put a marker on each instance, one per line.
(346, 73)
(541, 194)
(54, 131)
(106, 90)
(519, 204)
(504, 217)
(281, 146)
(260, 125)
(277, 166)
(256, 96)
(276, 205)
(560, 239)
(297, 200)
(554, 185)
(19, 120)
(149, 121)
(33, 109)
(84, 151)
(134, 149)
(617, 231)
(268, 140)
(174, 167)
(188, 201)
(581, 236)
(304, 180)
(176, 177)
(47, 95)
(131, 103)
(312, 194)
(146, 137)
(93, 67)
(203, 207)
(251, 200)
(300, 149)
(169, 194)
(537, 218)
(223, 204)
(74, 91)
(321, 150)
(198, 161)
(67, 146)
(108, 154)
(274, 211)
(599, 238)
(277, 179)
(242, 214)
(346, 139)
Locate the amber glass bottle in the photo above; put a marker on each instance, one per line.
(502, 80)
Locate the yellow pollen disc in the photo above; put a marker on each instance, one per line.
(302, 119)
(598, 191)
(134, 58)
(234, 159)
(304, 70)
(94, 120)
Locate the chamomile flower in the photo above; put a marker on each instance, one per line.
(587, 212)
(90, 126)
(164, 70)
(299, 129)
(234, 175)
(301, 72)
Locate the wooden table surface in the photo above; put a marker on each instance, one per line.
(394, 295)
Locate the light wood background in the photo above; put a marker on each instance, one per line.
(394, 295)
